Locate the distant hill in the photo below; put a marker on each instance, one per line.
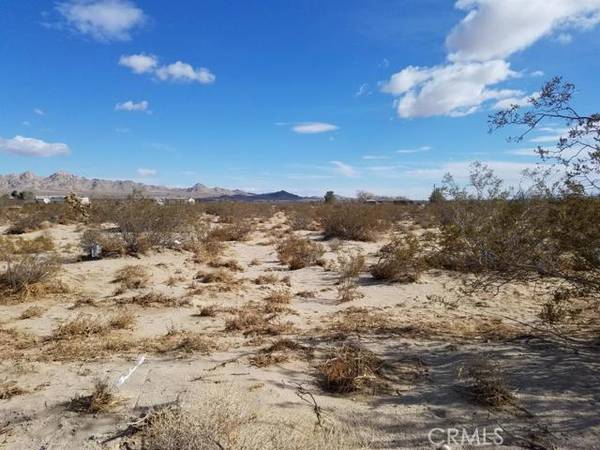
(62, 183)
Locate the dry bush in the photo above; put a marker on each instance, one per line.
(224, 418)
(30, 275)
(144, 224)
(279, 351)
(216, 276)
(353, 221)
(182, 341)
(350, 368)
(399, 261)
(121, 320)
(350, 264)
(20, 246)
(207, 311)
(298, 252)
(28, 222)
(236, 231)
(102, 399)
(10, 389)
(81, 325)
(486, 382)
(111, 243)
(155, 299)
(252, 322)
(230, 264)
(32, 312)
(280, 296)
(362, 321)
(132, 277)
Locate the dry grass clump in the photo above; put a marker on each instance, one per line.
(182, 341)
(486, 382)
(256, 323)
(280, 296)
(207, 311)
(121, 320)
(298, 252)
(278, 352)
(102, 399)
(271, 278)
(111, 243)
(132, 277)
(223, 418)
(217, 276)
(10, 389)
(30, 275)
(155, 299)
(32, 312)
(29, 221)
(353, 222)
(399, 261)
(350, 264)
(362, 321)
(350, 368)
(230, 264)
(20, 246)
(82, 325)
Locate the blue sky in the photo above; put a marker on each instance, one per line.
(302, 95)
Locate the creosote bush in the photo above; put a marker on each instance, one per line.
(350, 368)
(353, 222)
(28, 274)
(299, 252)
(400, 260)
(486, 382)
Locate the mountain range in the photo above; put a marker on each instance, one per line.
(62, 183)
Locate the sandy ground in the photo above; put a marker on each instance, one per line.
(437, 329)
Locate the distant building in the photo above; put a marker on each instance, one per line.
(47, 199)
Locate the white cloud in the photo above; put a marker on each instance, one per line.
(26, 123)
(363, 90)
(491, 31)
(39, 112)
(509, 171)
(313, 127)
(424, 148)
(180, 71)
(20, 145)
(140, 63)
(147, 172)
(496, 29)
(564, 38)
(132, 106)
(103, 20)
(537, 73)
(374, 157)
(452, 89)
(344, 169)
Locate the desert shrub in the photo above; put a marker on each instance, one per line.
(144, 224)
(155, 299)
(352, 221)
(132, 277)
(216, 276)
(182, 341)
(350, 264)
(31, 312)
(235, 231)
(81, 325)
(350, 368)
(26, 223)
(230, 264)
(10, 389)
(111, 243)
(102, 399)
(298, 252)
(255, 323)
(25, 275)
(121, 320)
(399, 261)
(19, 246)
(280, 296)
(486, 382)
(279, 351)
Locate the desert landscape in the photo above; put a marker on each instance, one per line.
(238, 325)
(299, 225)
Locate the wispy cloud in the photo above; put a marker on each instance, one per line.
(39, 111)
(344, 169)
(25, 146)
(374, 157)
(103, 20)
(363, 90)
(130, 105)
(314, 127)
(140, 63)
(424, 148)
(142, 172)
